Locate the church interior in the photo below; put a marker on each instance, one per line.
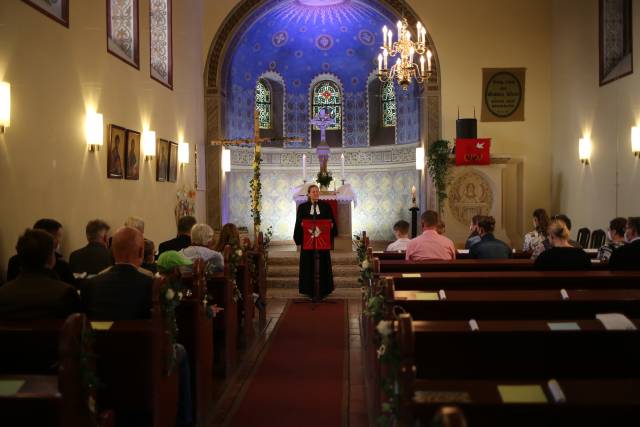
(388, 212)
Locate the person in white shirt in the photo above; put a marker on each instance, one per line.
(201, 244)
(401, 231)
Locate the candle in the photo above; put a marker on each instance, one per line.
(399, 25)
(422, 64)
(386, 54)
(413, 191)
(342, 162)
(304, 167)
(424, 35)
(429, 54)
(379, 63)
(384, 35)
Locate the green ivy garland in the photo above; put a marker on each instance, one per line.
(171, 296)
(366, 271)
(438, 155)
(234, 261)
(256, 190)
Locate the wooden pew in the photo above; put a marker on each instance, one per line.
(521, 304)
(446, 363)
(461, 265)
(221, 290)
(464, 254)
(133, 360)
(47, 355)
(195, 332)
(256, 254)
(516, 280)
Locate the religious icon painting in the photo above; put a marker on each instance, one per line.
(173, 162)
(162, 160)
(116, 152)
(132, 156)
(58, 10)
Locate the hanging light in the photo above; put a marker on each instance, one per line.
(405, 69)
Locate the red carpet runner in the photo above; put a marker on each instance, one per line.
(301, 379)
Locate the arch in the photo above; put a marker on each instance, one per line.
(277, 90)
(334, 134)
(263, 104)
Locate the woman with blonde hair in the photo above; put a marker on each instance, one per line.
(561, 256)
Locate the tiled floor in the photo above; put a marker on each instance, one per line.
(277, 300)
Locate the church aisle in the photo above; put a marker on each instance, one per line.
(302, 378)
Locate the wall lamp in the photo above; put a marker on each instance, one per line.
(94, 131)
(226, 160)
(419, 158)
(5, 105)
(183, 153)
(635, 141)
(584, 150)
(148, 144)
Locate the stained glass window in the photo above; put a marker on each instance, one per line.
(326, 94)
(122, 30)
(160, 35)
(263, 104)
(389, 108)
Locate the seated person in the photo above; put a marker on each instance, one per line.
(201, 247)
(96, 256)
(536, 241)
(615, 235)
(183, 240)
(474, 237)
(441, 227)
(229, 235)
(627, 257)
(170, 264)
(149, 260)
(567, 222)
(401, 231)
(430, 245)
(489, 247)
(61, 267)
(37, 293)
(122, 292)
(562, 256)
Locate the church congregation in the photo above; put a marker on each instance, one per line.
(357, 213)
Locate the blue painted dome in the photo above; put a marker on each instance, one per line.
(299, 39)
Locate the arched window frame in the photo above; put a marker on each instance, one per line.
(264, 104)
(327, 94)
(389, 106)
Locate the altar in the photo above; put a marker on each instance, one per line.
(340, 201)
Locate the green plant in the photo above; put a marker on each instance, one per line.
(324, 178)
(256, 191)
(438, 155)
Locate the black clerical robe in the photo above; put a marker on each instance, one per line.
(306, 275)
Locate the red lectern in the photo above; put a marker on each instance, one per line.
(316, 237)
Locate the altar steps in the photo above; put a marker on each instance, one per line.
(283, 270)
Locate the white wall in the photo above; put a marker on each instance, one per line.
(56, 74)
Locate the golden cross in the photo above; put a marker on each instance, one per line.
(256, 184)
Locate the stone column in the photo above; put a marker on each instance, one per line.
(213, 154)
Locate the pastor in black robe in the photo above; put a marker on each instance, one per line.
(306, 275)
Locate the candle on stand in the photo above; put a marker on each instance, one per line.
(342, 162)
(429, 54)
(413, 195)
(304, 167)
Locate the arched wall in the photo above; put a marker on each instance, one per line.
(426, 105)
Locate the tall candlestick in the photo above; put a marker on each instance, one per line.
(413, 195)
(342, 162)
(429, 54)
(304, 167)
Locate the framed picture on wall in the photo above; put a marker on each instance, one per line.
(162, 160)
(616, 37)
(122, 31)
(173, 162)
(132, 156)
(116, 152)
(58, 10)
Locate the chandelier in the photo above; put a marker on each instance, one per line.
(405, 69)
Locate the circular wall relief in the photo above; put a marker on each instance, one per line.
(366, 37)
(324, 42)
(470, 194)
(503, 94)
(280, 38)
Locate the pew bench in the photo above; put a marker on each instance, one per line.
(460, 265)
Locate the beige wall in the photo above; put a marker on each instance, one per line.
(56, 73)
(581, 107)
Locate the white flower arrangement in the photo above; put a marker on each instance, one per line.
(381, 351)
(385, 327)
(170, 294)
(239, 252)
(365, 264)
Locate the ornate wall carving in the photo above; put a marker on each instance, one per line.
(470, 194)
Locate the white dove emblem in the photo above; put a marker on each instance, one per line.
(480, 145)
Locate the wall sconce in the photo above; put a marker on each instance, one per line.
(94, 131)
(584, 150)
(183, 153)
(635, 141)
(226, 160)
(419, 158)
(5, 105)
(148, 144)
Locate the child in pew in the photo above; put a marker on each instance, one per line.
(401, 231)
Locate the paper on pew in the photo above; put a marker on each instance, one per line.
(10, 387)
(101, 326)
(463, 251)
(563, 326)
(411, 275)
(616, 322)
(522, 394)
(426, 296)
